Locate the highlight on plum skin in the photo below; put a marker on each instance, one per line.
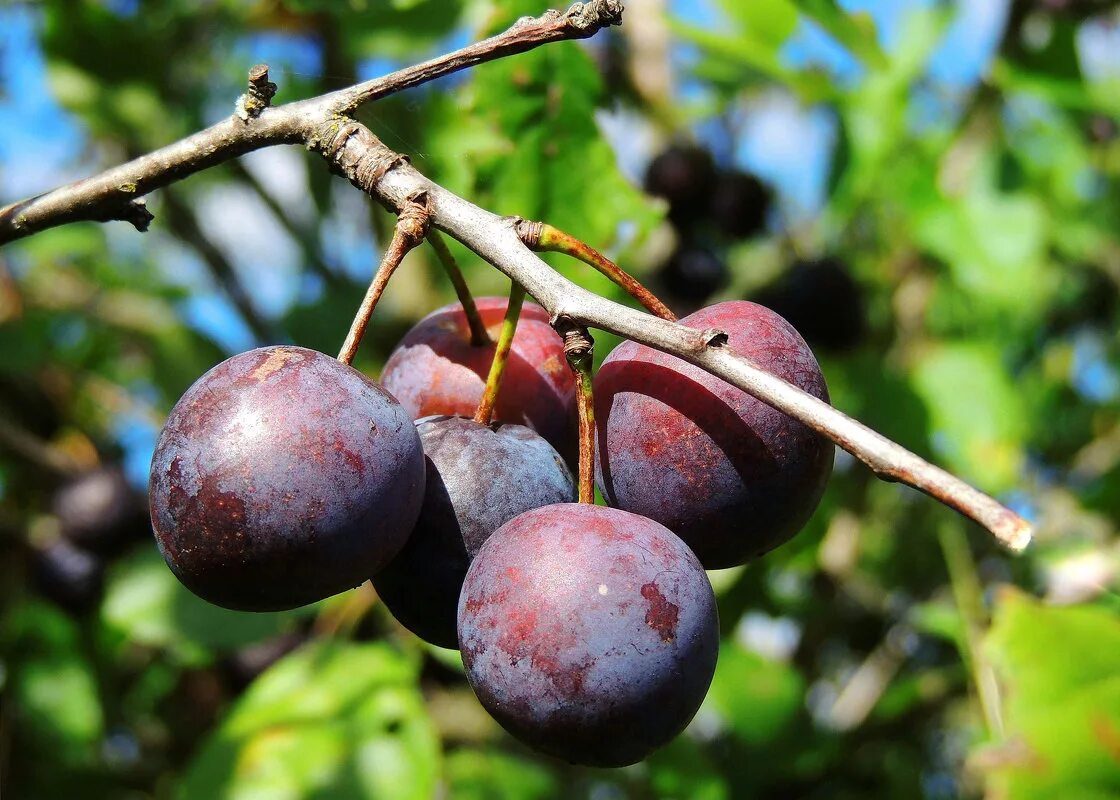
(282, 477)
(435, 370)
(727, 473)
(589, 633)
(478, 478)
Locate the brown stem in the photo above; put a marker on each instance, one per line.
(579, 21)
(409, 232)
(542, 237)
(579, 350)
(479, 336)
(501, 355)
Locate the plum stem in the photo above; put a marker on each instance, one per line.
(580, 352)
(542, 237)
(501, 355)
(479, 336)
(410, 230)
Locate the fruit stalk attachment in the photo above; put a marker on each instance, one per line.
(501, 356)
(542, 237)
(579, 349)
(410, 230)
(479, 336)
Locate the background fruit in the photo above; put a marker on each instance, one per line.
(67, 575)
(727, 473)
(739, 204)
(692, 274)
(99, 510)
(683, 175)
(478, 478)
(820, 299)
(281, 477)
(435, 370)
(588, 632)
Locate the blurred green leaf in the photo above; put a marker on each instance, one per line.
(682, 769)
(51, 684)
(146, 604)
(756, 697)
(1061, 671)
(556, 166)
(855, 31)
(490, 775)
(333, 719)
(976, 416)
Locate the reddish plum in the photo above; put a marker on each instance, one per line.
(589, 633)
(479, 477)
(281, 477)
(435, 370)
(727, 473)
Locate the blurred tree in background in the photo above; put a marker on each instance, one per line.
(930, 191)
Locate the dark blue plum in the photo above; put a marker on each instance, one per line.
(589, 633)
(69, 576)
(281, 477)
(479, 477)
(100, 511)
(727, 473)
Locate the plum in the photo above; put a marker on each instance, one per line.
(281, 477)
(589, 633)
(435, 370)
(478, 478)
(727, 473)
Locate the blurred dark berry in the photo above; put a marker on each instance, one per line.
(241, 667)
(683, 175)
(68, 576)
(693, 274)
(821, 300)
(1102, 129)
(740, 203)
(100, 511)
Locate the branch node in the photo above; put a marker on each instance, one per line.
(579, 347)
(528, 231)
(713, 337)
(589, 17)
(135, 212)
(260, 94)
(367, 166)
(414, 218)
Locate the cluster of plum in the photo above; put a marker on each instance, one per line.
(708, 207)
(589, 632)
(98, 515)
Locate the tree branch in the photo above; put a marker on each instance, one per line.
(353, 150)
(112, 194)
(579, 22)
(496, 240)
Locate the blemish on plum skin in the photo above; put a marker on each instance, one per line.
(276, 360)
(661, 615)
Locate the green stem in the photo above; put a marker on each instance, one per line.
(969, 597)
(501, 356)
(479, 337)
(550, 239)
